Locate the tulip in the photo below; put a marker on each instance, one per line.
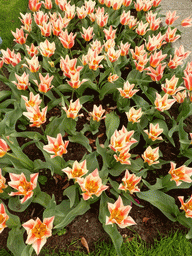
(150, 16)
(70, 11)
(57, 26)
(66, 39)
(108, 3)
(127, 91)
(109, 44)
(77, 171)
(119, 214)
(117, 142)
(74, 108)
(170, 17)
(23, 81)
(19, 36)
(134, 115)
(48, 4)
(34, 5)
(81, 12)
(97, 113)
(96, 46)
(113, 55)
(127, 2)
(170, 36)
(56, 146)
(3, 218)
(155, 42)
(91, 185)
(1, 63)
(129, 183)
(142, 28)
(156, 74)
(139, 5)
(180, 96)
(87, 33)
(181, 53)
(38, 232)
(163, 103)
(36, 117)
(3, 147)
(33, 64)
(2, 183)
(46, 29)
(187, 207)
(32, 101)
(170, 86)
(109, 34)
(116, 4)
(111, 78)
(124, 155)
(188, 81)
(92, 17)
(47, 49)
(151, 155)
(124, 48)
(132, 23)
(75, 82)
(90, 5)
(125, 18)
(102, 19)
(40, 17)
(156, 3)
(128, 134)
(182, 173)
(32, 50)
(187, 22)
(25, 188)
(93, 59)
(156, 58)
(68, 66)
(175, 62)
(139, 51)
(147, 4)
(141, 62)
(45, 83)
(27, 21)
(155, 24)
(154, 132)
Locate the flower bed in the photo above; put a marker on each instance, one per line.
(99, 101)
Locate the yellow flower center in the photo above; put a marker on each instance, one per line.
(26, 186)
(117, 215)
(77, 172)
(92, 186)
(1, 218)
(39, 230)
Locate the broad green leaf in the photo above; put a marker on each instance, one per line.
(81, 139)
(80, 209)
(112, 122)
(16, 206)
(71, 193)
(165, 203)
(15, 241)
(183, 135)
(4, 95)
(42, 198)
(92, 162)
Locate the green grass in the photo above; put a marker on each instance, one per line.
(174, 245)
(9, 19)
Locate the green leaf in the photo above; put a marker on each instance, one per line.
(183, 135)
(112, 122)
(4, 95)
(16, 206)
(42, 198)
(81, 139)
(80, 209)
(71, 193)
(165, 203)
(15, 241)
(92, 162)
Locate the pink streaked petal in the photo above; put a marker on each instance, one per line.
(31, 238)
(29, 224)
(38, 244)
(34, 178)
(25, 198)
(86, 196)
(49, 222)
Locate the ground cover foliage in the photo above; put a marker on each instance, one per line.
(98, 117)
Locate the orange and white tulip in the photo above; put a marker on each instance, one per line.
(3, 217)
(156, 58)
(87, 33)
(81, 12)
(25, 188)
(170, 17)
(33, 100)
(33, 64)
(127, 91)
(67, 40)
(27, 21)
(97, 113)
(156, 74)
(180, 96)
(170, 86)
(111, 78)
(73, 109)
(151, 156)
(38, 232)
(19, 36)
(36, 117)
(32, 50)
(40, 17)
(113, 54)
(3, 147)
(141, 28)
(134, 115)
(163, 103)
(47, 49)
(109, 34)
(22, 81)
(34, 5)
(91, 185)
(154, 132)
(46, 29)
(75, 82)
(124, 48)
(77, 170)
(180, 174)
(45, 83)
(125, 17)
(56, 146)
(119, 214)
(187, 207)
(48, 4)
(187, 22)
(124, 155)
(2, 183)
(170, 35)
(130, 182)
